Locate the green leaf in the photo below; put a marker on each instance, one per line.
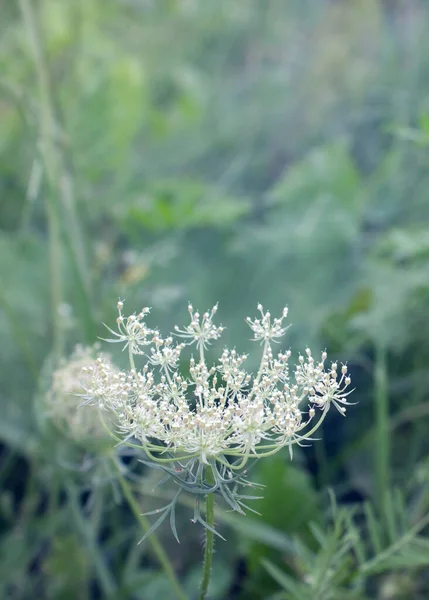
(184, 204)
(326, 176)
(285, 581)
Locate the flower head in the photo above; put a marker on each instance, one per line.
(69, 381)
(201, 328)
(212, 417)
(132, 330)
(220, 410)
(264, 329)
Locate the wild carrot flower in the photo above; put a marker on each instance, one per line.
(63, 398)
(203, 427)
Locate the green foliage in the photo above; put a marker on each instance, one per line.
(272, 152)
(352, 549)
(179, 205)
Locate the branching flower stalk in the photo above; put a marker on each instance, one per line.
(85, 428)
(206, 429)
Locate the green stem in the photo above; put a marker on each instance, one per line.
(382, 426)
(260, 370)
(107, 583)
(55, 254)
(209, 547)
(157, 548)
(47, 146)
(131, 357)
(60, 183)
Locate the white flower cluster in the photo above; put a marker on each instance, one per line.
(213, 411)
(69, 381)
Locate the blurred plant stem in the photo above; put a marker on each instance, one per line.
(48, 152)
(157, 548)
(104, 576)
(382, 427)
(209, 545)
(60, 199)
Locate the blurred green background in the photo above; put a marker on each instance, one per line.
(244, 151)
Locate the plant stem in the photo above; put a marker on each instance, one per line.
(209, 546)
(47, 148)
(55, 255)
(131, 357)
(61, 194)
(107, 583)
(382, 426)
(157, 548)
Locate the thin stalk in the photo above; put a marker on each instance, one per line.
(157, 548)
(59, 180)
(56, 283)
(47, 147)
(202, 361)
(209, 546)
(145, 447)
(261, 368)
(382, 426)
(33, 190)
(131, 357)
(107, 583)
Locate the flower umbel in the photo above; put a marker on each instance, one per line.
(69, 381)
(204, 427)
(201, 329)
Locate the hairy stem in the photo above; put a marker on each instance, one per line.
(209, 542)
(157, 548)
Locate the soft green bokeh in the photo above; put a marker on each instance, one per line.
(241, 152)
